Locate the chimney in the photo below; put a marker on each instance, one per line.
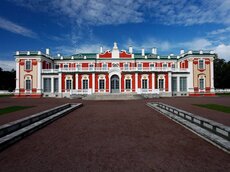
(130, 49)
(47, 51)
(101, 49)
(143, 52)
(181, 51)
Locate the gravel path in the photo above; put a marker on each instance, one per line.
(113, 136)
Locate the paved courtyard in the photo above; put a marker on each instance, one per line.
(113, 136)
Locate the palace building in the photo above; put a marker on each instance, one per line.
(114, 71)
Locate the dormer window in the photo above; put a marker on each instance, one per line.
(28, 65)
(201, 64)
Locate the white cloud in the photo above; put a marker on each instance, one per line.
(195, 44)
(14, 28)
(103, 12)
(7, 65)
(223, 51)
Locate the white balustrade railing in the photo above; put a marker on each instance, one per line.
(80, 91)
(106, 69)
(147, 91)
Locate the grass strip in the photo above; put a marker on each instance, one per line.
(216, 107)
(13, 109)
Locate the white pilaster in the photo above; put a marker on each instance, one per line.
(212, 75)
(136, 82)
(39, 74)
(59, 83)
(169, 82)
(153, 82)
(190, 87)
(76, 81)
(93, 83)
(52, 85)
(178, 84)
(17, 76)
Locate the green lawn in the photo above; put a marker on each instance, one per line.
(6, 95)
(13, 109)
(216, 107)
(223, 94)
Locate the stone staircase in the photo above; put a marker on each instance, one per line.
(113, 96)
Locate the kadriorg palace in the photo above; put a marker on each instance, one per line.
(113, 71)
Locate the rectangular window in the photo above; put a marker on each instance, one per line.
(127, 84)
(183, 84)
(104, 67)
(65, 66)
(85, 84)
(139, 66)
(47, 85)
(56, 66)
(55, 85)
(151, 66)
(164, 65)
(78, 67)
(161, 84)
(201, 84)
(101, 84)
(28, 65)
(144, 83)
(68, 84)
(173, 66)
(201, 64)
(91, 67)
(126, 66)
(174, 84)
(28, 84)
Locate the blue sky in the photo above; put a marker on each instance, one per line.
(70, 26)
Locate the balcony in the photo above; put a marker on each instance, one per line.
(122, 69)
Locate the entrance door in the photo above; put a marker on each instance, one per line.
(114, 84)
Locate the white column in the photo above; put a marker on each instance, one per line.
(178, 84)
(190, 87)
(153, 82)
(212, 75)
(93, 83)
(52, 85)
(39, 75)
(17, 76)
(76, 81)
(59, 83)
(169, 82)
(136, 82)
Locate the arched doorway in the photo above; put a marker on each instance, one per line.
(114, 84)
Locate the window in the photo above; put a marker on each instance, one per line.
(151, 66)
(68, 84)
(91, 67)
(174, 84)
(56, 66)
(47, 85)
(144, 83)
(173, 65)
(85, 84)
(104, 67)
(127, 84)
(65, 66)
(78, 67)
(139, 66)
(201, 64)
(101, 84)
(28, 65)
(164, 65)
(201, 84)
(28, 84)
(55, 84)
(115, 65)
(183, 84)
(126, 66)
(161, 84)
